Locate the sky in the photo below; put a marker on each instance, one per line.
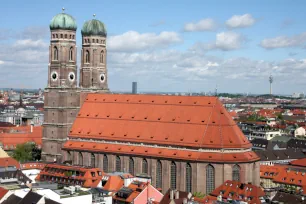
(168, 46)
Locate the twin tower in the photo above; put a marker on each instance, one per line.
(63, 95)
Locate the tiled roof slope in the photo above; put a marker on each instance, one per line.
(161, 152)
(190, 121)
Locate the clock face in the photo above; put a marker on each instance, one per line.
(54, 76)
(71, 76)
(102, 78)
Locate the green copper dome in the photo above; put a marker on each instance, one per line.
(63, 21)
(94, 27)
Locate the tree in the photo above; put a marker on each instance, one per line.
(26, 152)
(198, 194)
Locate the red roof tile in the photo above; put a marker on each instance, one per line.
(161, 152)
(190, 121)
(9, 161)
(299, 162)
(10, 140)
(3, 191)
(235, 189)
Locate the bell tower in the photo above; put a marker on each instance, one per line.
(62, 98)
(93, 72)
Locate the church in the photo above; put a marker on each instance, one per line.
(189, 143)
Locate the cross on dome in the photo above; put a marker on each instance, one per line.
(94, 15)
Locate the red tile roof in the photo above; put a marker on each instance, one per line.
(3, 191)
(162, 152)
(32, 165)
(9, 161)
(190, 121)
(88, 177)
(10, 140)
(299, 162)
(114, 183)
(235, 189)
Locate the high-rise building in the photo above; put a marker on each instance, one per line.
(134, 87)
(62, 96)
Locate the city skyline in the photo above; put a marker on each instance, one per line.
(236, 46)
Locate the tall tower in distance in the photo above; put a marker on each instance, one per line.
(134, 87)
(270, 81)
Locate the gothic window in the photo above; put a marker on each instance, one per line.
(93, 160)
(102, 57)
(131, 166)
(88, 40)
(105, 163)
(236, 173)
(55, 53)
(53, 36)
(144, 166)
(71, 54)
(159, 177)
(80, 159)
(118, 164)
(188, 177)
(87, 57)
(173, 176)
(61, 35)
(66, 36)
(56, 35)
(210, 179)
(70, 36)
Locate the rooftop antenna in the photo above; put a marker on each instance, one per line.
(63, 9)
(271, 81)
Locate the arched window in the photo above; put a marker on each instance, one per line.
(70, 36)
(188, 177)
(88, 40)
(105, 163)
(87, 57)
(236, 173)
(131, 166)
(159, 176)
(93, 160)
(53, 36)
(173, 176)
(55, 53)
(210, 179)
(118, 164)
(144, 166)
(56, 35)
(102, 57)
(80, 159)
(66, 36)
(61, 35)
(71, 54)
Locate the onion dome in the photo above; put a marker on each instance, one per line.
(63, 21)
(94, 27)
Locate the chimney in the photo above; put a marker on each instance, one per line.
(171, 194)
(177, 195)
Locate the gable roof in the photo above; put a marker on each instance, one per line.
(12, 199)
(31, 197)
(287, 154)
(190, 121)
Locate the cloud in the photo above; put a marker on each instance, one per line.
(207, 24)
(287, 23)
(28, 43)
(284, 41)
(225, 41)
(1, 62)
(240, 21)
(134, 41)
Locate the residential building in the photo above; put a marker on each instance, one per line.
(271, 157)
(71, 175)
(237, 191)
(137, 193)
